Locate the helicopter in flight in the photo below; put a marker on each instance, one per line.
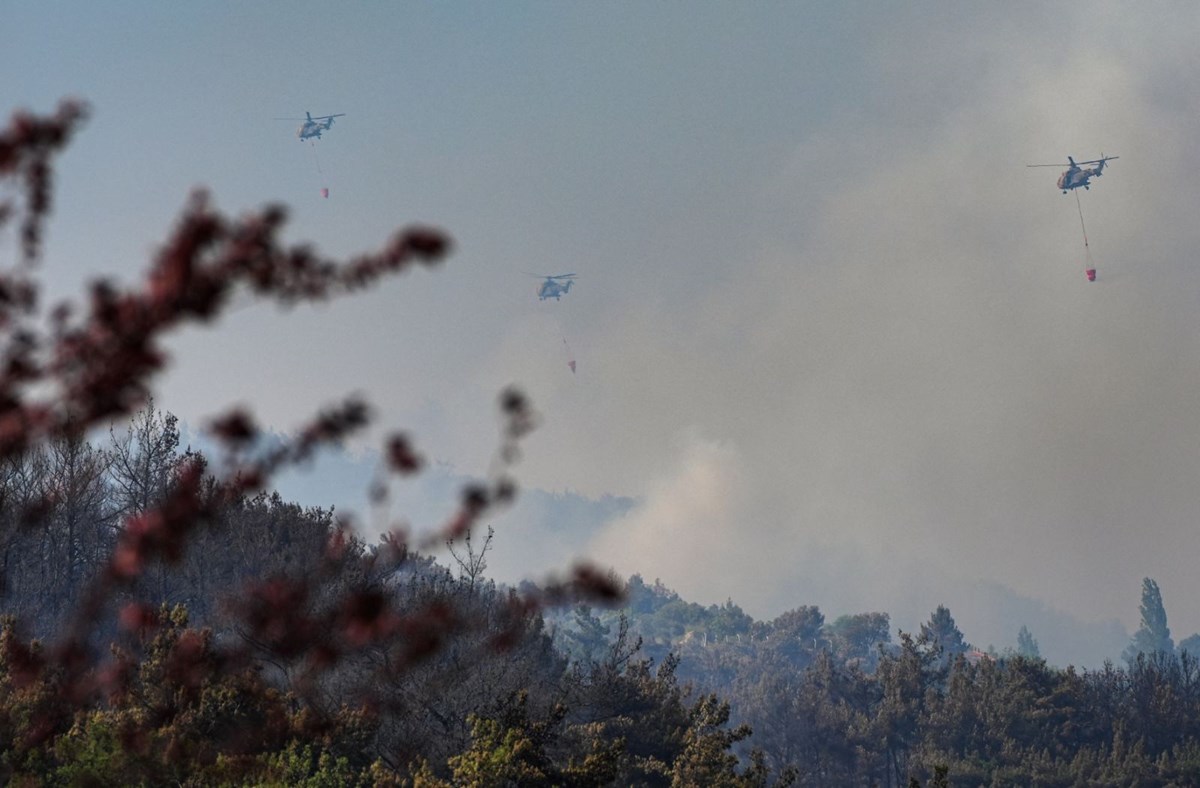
(1077, 176)
(555, 286)
(312, 127)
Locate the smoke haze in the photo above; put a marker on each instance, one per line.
(834, 341)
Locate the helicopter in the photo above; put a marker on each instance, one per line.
(1077, 176)
(555, 286)
(312, 127)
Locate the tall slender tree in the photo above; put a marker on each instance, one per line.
(1153, 635)
(1027, 645)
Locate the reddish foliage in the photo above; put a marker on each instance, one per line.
(274, 613)
(190, 661)
(25, 664)
(160, 533)
(26, 148)
(366, 617)
(136, 617)
(400, 455)
(236, 428)
(115, 678)
(424, 632)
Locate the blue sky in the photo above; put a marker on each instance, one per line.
(827, 325)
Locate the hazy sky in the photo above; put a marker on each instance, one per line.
(832, 335)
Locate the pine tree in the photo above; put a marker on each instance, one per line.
(1027, 646)
(1154, 634)
(941, 631)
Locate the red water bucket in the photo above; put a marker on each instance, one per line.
(325, 193)
(1091, 274)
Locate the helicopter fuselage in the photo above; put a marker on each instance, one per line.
(312, 129)
(1076, 177)
(553, 289)
(555, 286)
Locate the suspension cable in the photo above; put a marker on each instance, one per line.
(1089, 265)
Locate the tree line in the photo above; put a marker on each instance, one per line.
(842, 702)
(204, 687)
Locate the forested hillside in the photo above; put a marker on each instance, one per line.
(210, 684)
(850, 701)
(205, 688)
